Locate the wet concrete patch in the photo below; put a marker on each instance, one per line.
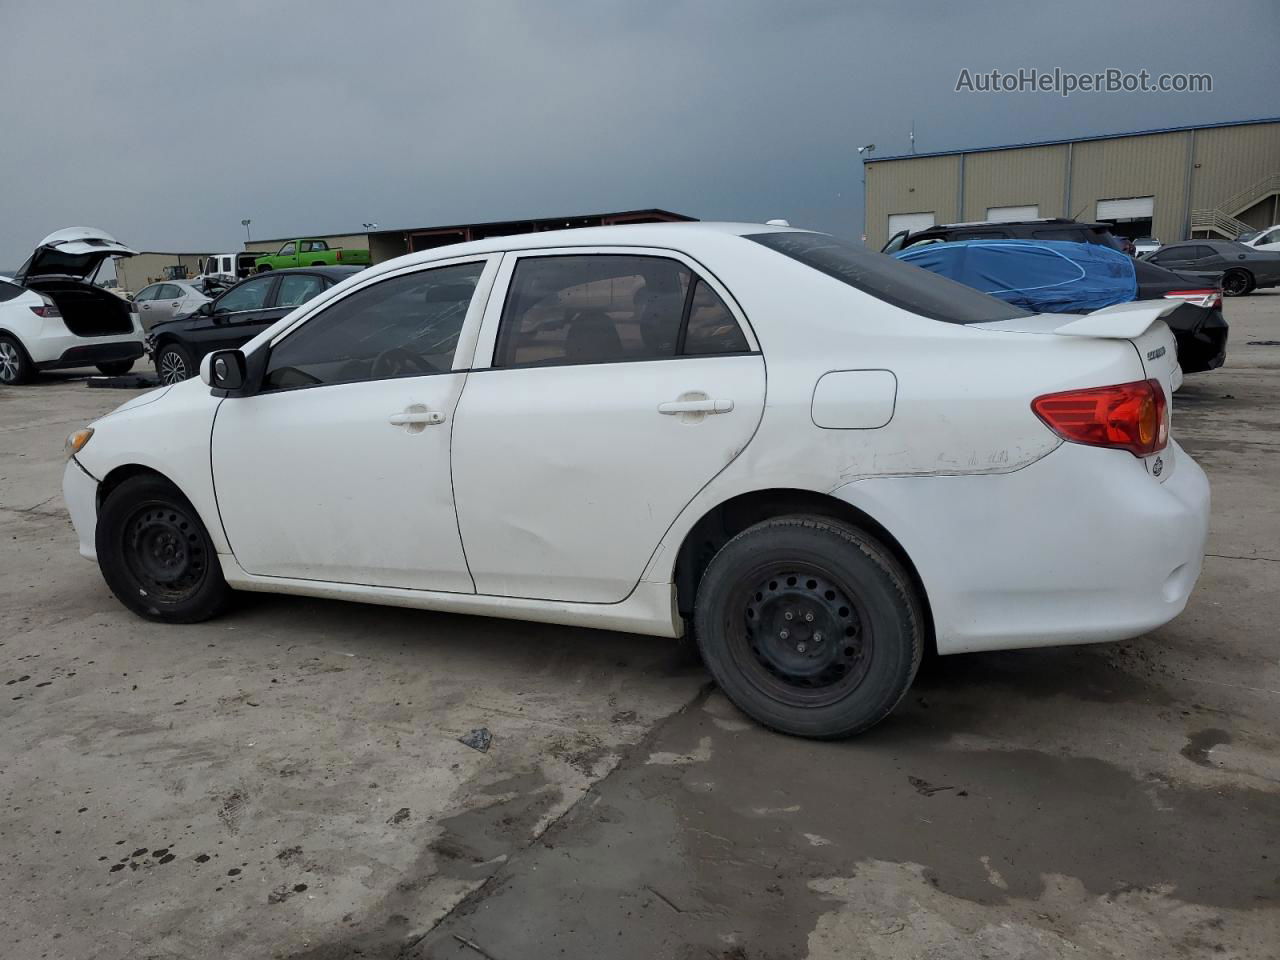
(695, 859)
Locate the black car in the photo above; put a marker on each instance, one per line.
(235, 317)
(1243, 268)
(1197, 323)
(1057, 228)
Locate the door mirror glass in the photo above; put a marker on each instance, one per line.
(223, 370)
(205, 309)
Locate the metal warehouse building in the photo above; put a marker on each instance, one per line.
(1214, 180)
(387, 244)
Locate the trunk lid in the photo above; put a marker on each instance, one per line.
(1139, 322)
(75, 252)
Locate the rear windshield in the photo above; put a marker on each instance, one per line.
(888, 279)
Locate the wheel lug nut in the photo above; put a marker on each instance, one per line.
(788, 615)
(784, 634)
(817, 638)
(809, 617)
(800, 648)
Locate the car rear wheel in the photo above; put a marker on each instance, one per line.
(174, 364)
(15, 365)
(809, 626)
(1236, 283)
(156, 555)
(117, 368)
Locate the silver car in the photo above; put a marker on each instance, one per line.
(166, 300)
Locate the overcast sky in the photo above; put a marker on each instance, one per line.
(167, 123)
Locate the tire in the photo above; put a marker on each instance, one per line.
(264, 268)
(156, 555)
(834, 675)
(1237, 283)
(174, 363)
(117, 368)
(15, 365)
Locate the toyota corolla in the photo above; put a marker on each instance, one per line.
(810, 457)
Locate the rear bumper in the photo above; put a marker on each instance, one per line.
(1079, 547)
(80, 491)
(76, 353)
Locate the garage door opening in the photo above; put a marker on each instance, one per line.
(1129, 217)
(1010, 214)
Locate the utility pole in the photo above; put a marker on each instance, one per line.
(245, 224)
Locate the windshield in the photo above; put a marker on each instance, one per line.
(888, 279)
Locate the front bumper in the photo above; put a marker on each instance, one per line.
(1081, 546)
(80, 491)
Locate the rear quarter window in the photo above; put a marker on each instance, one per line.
(8, 290)
(886, 278)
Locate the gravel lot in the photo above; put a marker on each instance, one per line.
(287, 781)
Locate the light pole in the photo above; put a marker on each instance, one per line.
(245, 224)
(370, 226)
(865, 152)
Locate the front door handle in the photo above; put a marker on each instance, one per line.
(695, 406)
(416, 418)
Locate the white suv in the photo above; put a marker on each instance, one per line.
(53, 317)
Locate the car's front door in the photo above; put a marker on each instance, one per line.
(619, 383)
(241, 314)
(338, 469)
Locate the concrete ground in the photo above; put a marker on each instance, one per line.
(287, 781)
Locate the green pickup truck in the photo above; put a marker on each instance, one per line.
(310, 252)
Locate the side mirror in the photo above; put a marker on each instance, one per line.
(205, 309)
(223, 370)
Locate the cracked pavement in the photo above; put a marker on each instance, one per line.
(287, 781)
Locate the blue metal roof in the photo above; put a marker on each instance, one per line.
(1053, 143)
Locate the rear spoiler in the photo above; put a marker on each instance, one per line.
(1122, 321)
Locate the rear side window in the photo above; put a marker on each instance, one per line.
(889, 279)
(610, 308)
(1074, 236)
(296, 288)
(8, 290)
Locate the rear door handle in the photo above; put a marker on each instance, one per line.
(673, 407)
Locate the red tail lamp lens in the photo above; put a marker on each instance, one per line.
(1127, 416)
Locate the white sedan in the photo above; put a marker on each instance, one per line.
(814, 458)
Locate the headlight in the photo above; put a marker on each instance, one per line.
(75, 443)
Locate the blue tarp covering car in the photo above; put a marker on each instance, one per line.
(1044, 276)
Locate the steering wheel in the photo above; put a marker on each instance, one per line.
(398, 362)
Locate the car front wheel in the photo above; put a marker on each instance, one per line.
(156, 555)
(174, 364)
(809, 626)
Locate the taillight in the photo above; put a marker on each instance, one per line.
(47, 309)
(1198, 298)
(1127, 416)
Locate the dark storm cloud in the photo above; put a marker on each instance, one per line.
(168, 123)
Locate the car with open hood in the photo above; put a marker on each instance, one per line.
(54, 317)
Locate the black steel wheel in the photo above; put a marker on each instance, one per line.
(156, 555)
(1236, 283)
(803, 638)
(809, 626)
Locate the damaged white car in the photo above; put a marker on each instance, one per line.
(54, 317)
(815, 458)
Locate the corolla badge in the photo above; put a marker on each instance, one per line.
(1157, 352)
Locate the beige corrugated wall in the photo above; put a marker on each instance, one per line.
(920, 185)
(1036, 177)
(1231, 159)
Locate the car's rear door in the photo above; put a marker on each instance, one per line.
(612, 385)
